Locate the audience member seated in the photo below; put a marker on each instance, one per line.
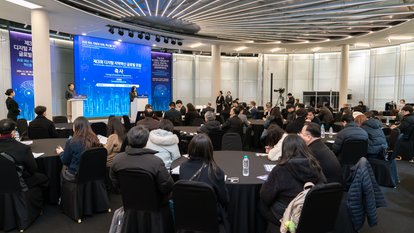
(351, 131)
(253, 109)
(148, 122)
(406, 128)
(43, 124)
(290, 115)
(207, 109)
(116, 135)
(296, 125)
(137, 157)
(326, 116)
(83, 139)
(211, 124)
(362, 107)
(268, 109)
(22, 155)
(274, 142)
(180, 107)
(233, 124)
(243, 117)
(190, 115)
(165, 142)
(201, 167)
(311, 134)
(377, 142)
(311, 117)
(173, 115)
(296, 167)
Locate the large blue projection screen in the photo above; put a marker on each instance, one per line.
(106, 70)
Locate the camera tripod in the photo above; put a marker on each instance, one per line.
(280, 100)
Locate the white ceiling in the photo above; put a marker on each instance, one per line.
(262, 26)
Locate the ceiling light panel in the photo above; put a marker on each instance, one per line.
(263, 21)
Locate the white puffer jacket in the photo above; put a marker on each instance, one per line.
(166, 143)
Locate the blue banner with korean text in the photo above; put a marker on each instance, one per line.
(161, 80)
(22, 72)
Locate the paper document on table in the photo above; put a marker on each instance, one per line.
(37, 155)
(27, 142)
(269, 167)
(176, 170)
(102, 139)
(261, 154)
(263, 177)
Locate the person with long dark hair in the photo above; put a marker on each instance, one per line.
(274, 142)
(190, 115)
(133, 94)
(201, 161)
(220, 102)
(296, 167)
(12, 105)
(83, 139)
(116, 135)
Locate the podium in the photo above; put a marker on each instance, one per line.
(137, 105)
(76, 106)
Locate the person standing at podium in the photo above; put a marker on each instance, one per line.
(69, 94)
(133, 94)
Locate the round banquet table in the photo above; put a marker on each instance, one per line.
(186, 129)
(243, 208)
(50, 164)
(64, 130)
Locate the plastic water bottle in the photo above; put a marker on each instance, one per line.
(322, 131)
(330, 132)
(17, 136)
(388, 121)
(246, 165)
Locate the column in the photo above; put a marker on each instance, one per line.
(216, 72)
(42, 77)
(343, 85)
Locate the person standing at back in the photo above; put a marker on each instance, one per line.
(229, 98)
(12, 105)
(220, 102)
(69, 94)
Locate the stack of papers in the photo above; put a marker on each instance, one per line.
(37, 155)
(176, 170)
(269, 167)
(261, 154)
(27, 142)
(102, 139)
(263, 177)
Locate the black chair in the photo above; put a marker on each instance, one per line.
(59, 119)
(248, 138)
(127, 123)
(17, 207)
(144, 206)
(191, 214)
(382, 172)
(158, 113)
(231, 141)
(197, 121)
(87, 194)
(37, 133)
(139, 116)
(216, 137)
(352, 152)
(260, 108)
(99, 128)
(22, 128)
(321, 202)
(406, 146)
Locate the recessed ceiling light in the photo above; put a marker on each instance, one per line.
(119, 40)
(240, 48)
(275, 50)
(83, 34)
(25, 3)
(153, 45)
(362, 44)
(196, 45)
(327, 40)
(316, 49)
(400, 37)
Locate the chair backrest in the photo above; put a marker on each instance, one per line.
(9, 180)
(191, 214)
(320, 208)
(99, 128)
(139, 116)
(197, 121)
(139, 191)
(247, 137)
(60, 119)
(352, 151)
(231, 141)
(260, 108)
(127, 122)
(22, 127)
(394, 133)
(92, 165)
(37, 133)
(158, 113)
(216, 137)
